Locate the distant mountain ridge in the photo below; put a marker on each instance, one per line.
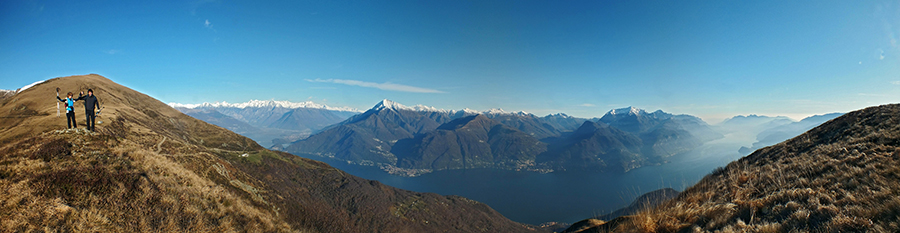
(271, 121)
(772, 135)
(386, 103)
(468, 142)
(411, 140)
(263, 104)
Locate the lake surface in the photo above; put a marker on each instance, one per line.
(535, 198)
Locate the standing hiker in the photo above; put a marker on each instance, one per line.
(70, 109)
(89, 102)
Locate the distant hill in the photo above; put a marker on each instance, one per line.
(662, 134)
(751, 122)
(6, 93)
(271, 122)
(413, 140)
(563, 123)
(468, 142)
(775, 134)
(368, 137)
(537, 127)
(840, 176)
(150, 168)
(595, 146)
(215, 117)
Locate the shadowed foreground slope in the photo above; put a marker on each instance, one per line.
(843, 176)
(152, 168)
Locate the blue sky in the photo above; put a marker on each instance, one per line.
(713, 59)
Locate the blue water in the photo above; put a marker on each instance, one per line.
(535, 198)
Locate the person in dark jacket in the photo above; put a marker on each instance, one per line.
(70, 109)
(89, 102)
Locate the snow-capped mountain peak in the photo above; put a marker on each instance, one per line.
(264, 104)
(469, 111)
(495, 111)
(626, 111)
(386, 103)
(561, 115)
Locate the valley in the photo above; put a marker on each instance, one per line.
(534, 194)
(535, 198)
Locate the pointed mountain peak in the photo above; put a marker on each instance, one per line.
(388, 104)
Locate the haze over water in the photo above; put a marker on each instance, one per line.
(535, 198)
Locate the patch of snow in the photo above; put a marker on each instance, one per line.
(30, 85)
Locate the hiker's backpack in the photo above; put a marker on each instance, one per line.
(70, 105)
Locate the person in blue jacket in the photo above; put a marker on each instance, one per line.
(89, 102)
(70, 109)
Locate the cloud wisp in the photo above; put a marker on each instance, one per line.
(383, 86)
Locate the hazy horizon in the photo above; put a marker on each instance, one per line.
(713, 60)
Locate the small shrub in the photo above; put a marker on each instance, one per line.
(54, 149)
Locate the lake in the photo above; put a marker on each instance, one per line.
(535, 198)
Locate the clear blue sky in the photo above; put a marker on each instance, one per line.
(713, 59)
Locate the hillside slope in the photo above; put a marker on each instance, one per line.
(152, 168)
(468, 142)
(842, 176)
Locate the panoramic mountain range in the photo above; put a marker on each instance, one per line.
(413, 140)
(150, 168)
(268, 122)
(841, 176)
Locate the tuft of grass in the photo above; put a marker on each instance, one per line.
(53, 149)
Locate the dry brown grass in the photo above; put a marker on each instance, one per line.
(843, 176)
(118, 189)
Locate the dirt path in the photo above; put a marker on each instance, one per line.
(159, 146)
